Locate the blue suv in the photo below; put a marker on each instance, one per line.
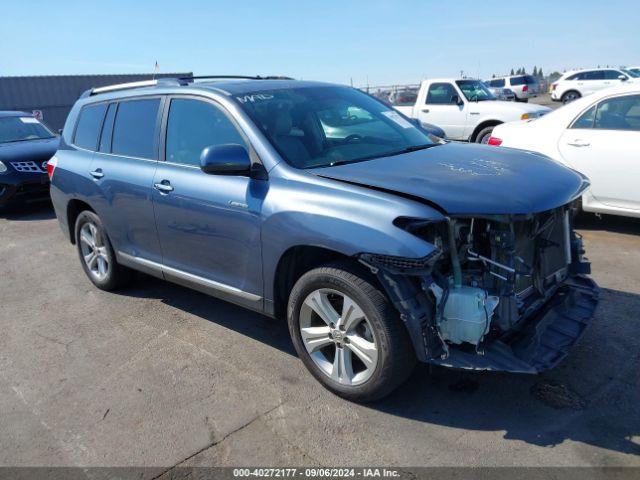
(379, 244)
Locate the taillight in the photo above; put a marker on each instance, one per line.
(553, 86)
(495, 141)
(51, 166)
(525, 88)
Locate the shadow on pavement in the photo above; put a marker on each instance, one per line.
(28, 213)
(609, 223)
(591, 397)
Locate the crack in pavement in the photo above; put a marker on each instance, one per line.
(213, 444)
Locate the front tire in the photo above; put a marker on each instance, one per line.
(484, 134)
(96, 254)
(348, 334)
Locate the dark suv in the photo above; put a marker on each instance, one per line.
(322, 205)
(25, 147)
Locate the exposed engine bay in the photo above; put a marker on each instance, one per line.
(490, 279)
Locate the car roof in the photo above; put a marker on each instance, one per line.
(14, 113)
(571, 72)
(173, 85)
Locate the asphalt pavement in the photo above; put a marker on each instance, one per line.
(160, 376)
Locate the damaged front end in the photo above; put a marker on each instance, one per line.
(499, 292)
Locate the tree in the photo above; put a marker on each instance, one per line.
(540, 74)
(535, 71)
(554, 76)
(512, 72)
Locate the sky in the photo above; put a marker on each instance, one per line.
(374, 42)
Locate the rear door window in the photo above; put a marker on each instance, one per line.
(88, 127)
(134, 129)
(592, 75)
(107, 129)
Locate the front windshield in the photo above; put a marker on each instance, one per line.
(323, 126)
(631, 73)
(475, 90)
(18, 129)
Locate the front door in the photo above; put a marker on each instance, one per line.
(208, 225)
(443, 107)
(603, 144)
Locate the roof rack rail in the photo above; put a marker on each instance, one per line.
(128, 85)
(174, 81)
(241, 77)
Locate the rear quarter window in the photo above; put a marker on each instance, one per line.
(88, 127)
(134, 129)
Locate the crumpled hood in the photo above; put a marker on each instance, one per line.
(469, 179)
(29, 150)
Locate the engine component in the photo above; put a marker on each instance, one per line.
(466, 313)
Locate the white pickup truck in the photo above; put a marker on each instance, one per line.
(465, 109)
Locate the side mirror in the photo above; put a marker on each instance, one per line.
(622, 77)
(456, 100)
(230, 159)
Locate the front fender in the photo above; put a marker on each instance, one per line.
(336, 216)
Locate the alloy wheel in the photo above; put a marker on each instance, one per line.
(94, 251)
(338, 337)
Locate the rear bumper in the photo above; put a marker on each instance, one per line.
(544, 340)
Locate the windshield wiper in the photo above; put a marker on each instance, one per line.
(413, 148)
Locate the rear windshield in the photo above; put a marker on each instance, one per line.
(19, 129)
(523, 79)
(324, 126)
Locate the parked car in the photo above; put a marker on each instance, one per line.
(523, 87)
(634, 70)
(465, 109)
(380, 247)
(432, 130)
(25, 147)
(597, 135)
(505, 94)
(403, 97)
(579, 83)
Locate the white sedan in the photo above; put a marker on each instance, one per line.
(599, 136)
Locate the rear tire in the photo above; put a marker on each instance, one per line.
(570, 96)
(358, 348)
(96, 254)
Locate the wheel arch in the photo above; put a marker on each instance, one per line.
(571, 90)
(74, 208)
(481, 126)
(298, 260)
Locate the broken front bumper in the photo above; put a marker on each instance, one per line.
(544, 340)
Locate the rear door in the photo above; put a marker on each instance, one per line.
(603, 144)
(208, 225)
(441, 108)
(591, 81)
(123, 169)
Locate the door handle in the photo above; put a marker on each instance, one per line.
(425, 110)
(97, 173)
(579, 143)
(163, 187)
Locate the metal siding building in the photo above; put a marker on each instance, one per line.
(54, 95)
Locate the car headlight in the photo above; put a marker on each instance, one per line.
(524, 116)
(3, 167)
